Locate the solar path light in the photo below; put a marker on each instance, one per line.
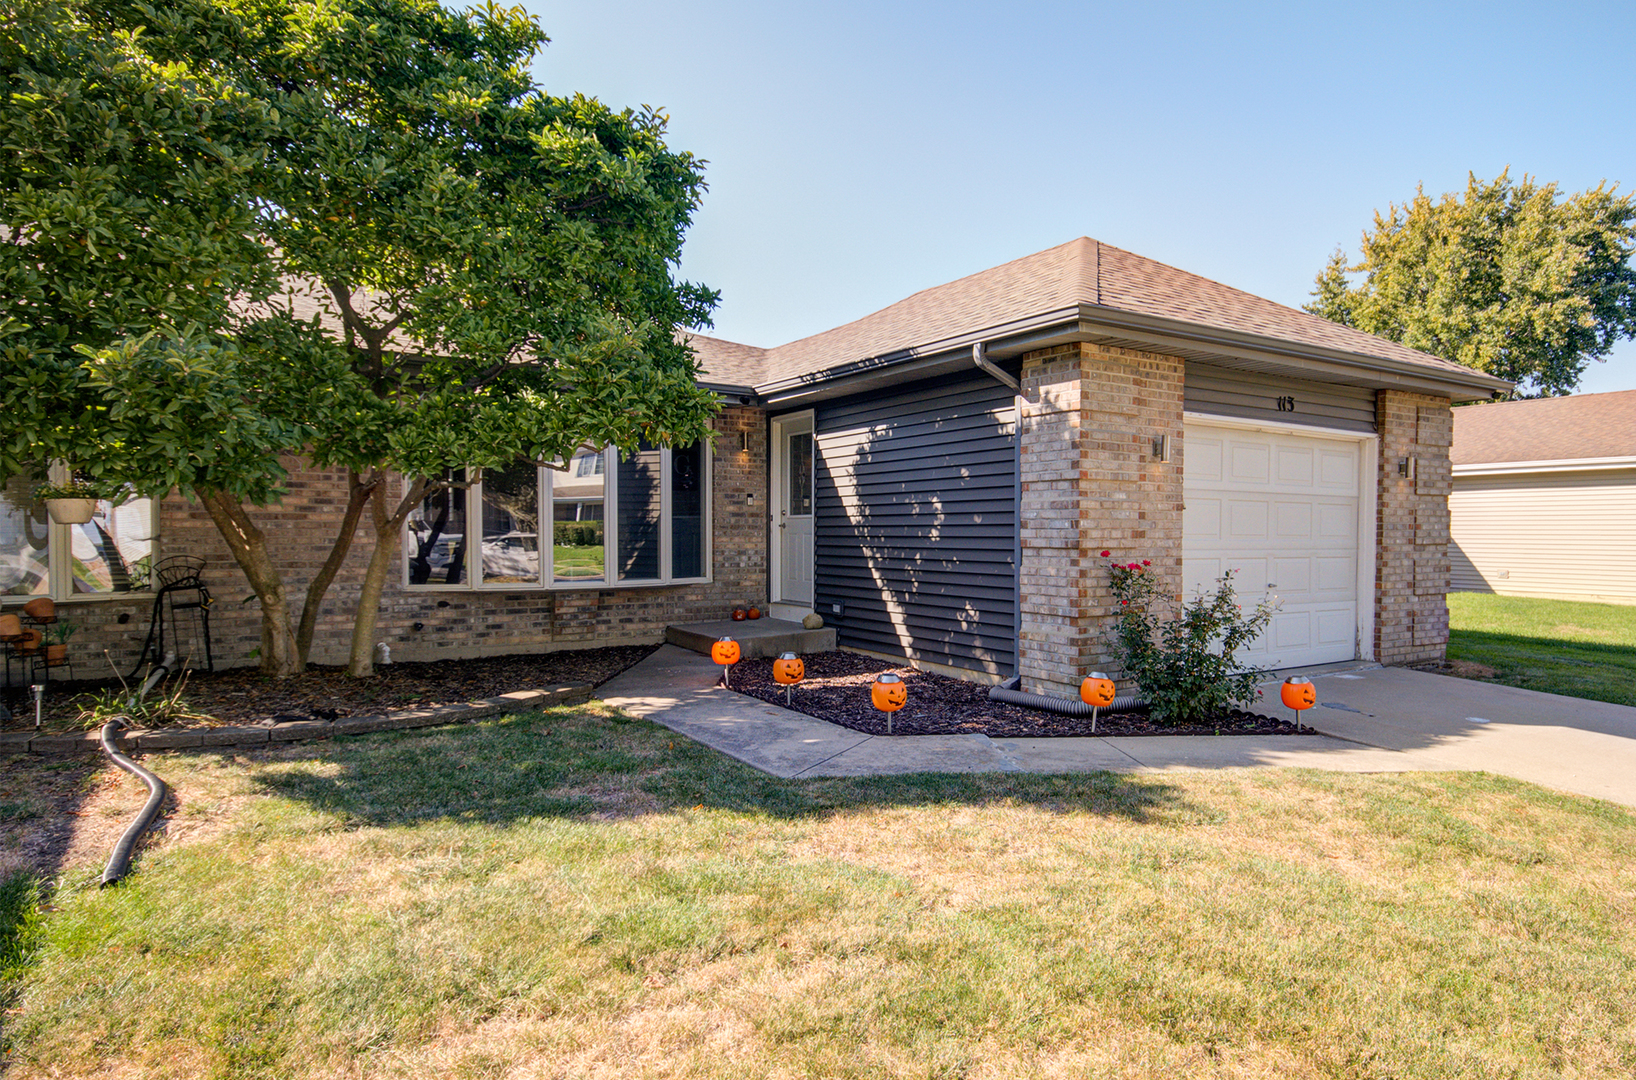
(1097, 692)
(889, 695)
(726, 653)
(787, 671)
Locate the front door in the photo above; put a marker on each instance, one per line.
(792, 515)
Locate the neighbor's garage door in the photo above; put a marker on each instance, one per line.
(1281, 510)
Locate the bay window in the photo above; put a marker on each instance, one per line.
(113, 553)
(614, 520)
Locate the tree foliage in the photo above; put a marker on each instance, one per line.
(1512, 279)
(353, 230)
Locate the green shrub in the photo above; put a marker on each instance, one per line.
(577, 533)
(1183, 662)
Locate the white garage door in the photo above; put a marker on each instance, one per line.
(1282, 511)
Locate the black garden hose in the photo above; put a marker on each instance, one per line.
(119, 863)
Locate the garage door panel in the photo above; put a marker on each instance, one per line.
(1337, 626)
(1338, 521)
(1295, 467)
(1294, 521)
(1290, 630)
(1251, 462)
(1246, 519)
(1284, 514)
(1201, 517)
(1203, 454)
(1338, 472)
(1198, 574)
(1292, 576)
(1337, 574)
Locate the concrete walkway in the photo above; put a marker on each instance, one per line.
(1374, 719)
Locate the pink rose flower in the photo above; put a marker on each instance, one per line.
(1105, 554)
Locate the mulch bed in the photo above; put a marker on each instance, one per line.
(836, 689)
(243, 696)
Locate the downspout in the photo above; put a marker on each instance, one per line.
(979, 356)
(1008, 692)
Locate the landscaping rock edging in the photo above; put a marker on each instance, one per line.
(90, 742)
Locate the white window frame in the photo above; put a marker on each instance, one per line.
(60, 559)
(472, 571)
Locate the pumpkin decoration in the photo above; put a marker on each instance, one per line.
(787, 671)
(726, 653)
(755, 613)
(1097, 692)
(739, 614)
(1298, 693)
(889, 695)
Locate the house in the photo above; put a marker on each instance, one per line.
(1544, 498)
(937, 480)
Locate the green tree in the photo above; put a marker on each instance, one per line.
(440, 266)
(1512, 279)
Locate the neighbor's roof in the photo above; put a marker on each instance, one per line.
(1546, 429)
(1074, 279)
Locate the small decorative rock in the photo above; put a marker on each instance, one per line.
(813, 621)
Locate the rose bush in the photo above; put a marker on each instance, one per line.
(1182, 655)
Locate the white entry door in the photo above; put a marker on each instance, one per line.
(1282, 510)
(792, 514)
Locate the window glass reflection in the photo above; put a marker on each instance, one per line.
(437, 536)
(577, 512)
(511, 524)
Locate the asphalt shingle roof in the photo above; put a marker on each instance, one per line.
(1546, 429)
(1082, 272)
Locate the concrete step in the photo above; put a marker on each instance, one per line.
(755, 637)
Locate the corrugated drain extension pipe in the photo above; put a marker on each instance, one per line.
(119, 863)
(1008, 693)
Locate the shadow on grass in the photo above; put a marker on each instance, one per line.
(1575, 668)
(579, 763)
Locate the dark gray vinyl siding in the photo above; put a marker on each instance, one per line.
(1254, 396)
(916, 521)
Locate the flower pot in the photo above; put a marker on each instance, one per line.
(71, 511)
(56, 655)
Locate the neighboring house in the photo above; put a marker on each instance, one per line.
(1544, 500)
(937, 480)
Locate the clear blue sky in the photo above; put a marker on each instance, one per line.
(862, 151)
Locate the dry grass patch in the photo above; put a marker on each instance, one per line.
(579, 895)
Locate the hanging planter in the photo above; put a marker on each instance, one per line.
(71, 511)
(73, 503)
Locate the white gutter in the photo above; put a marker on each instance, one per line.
(1503, 468)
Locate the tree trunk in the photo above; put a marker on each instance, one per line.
(358, 492)
(279, 655)
(388, 526)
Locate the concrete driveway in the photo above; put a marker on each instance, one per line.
(1373, 719)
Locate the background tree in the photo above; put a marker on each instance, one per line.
(1510, 278)
(473, 272)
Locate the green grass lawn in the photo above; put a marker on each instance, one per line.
(577, 894)
(572, 563)
(1559, 646)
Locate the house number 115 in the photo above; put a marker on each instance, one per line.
(1286, 404)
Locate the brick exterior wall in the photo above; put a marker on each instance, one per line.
(454, 623)
(1090, 483)
(1412, 528)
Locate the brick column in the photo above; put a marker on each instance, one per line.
(1412, 528)
(1090, 483)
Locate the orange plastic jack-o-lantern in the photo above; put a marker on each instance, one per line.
(889, 694)
(788, 669)
(1096, 690)
(1298, 693)
(725, 652)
